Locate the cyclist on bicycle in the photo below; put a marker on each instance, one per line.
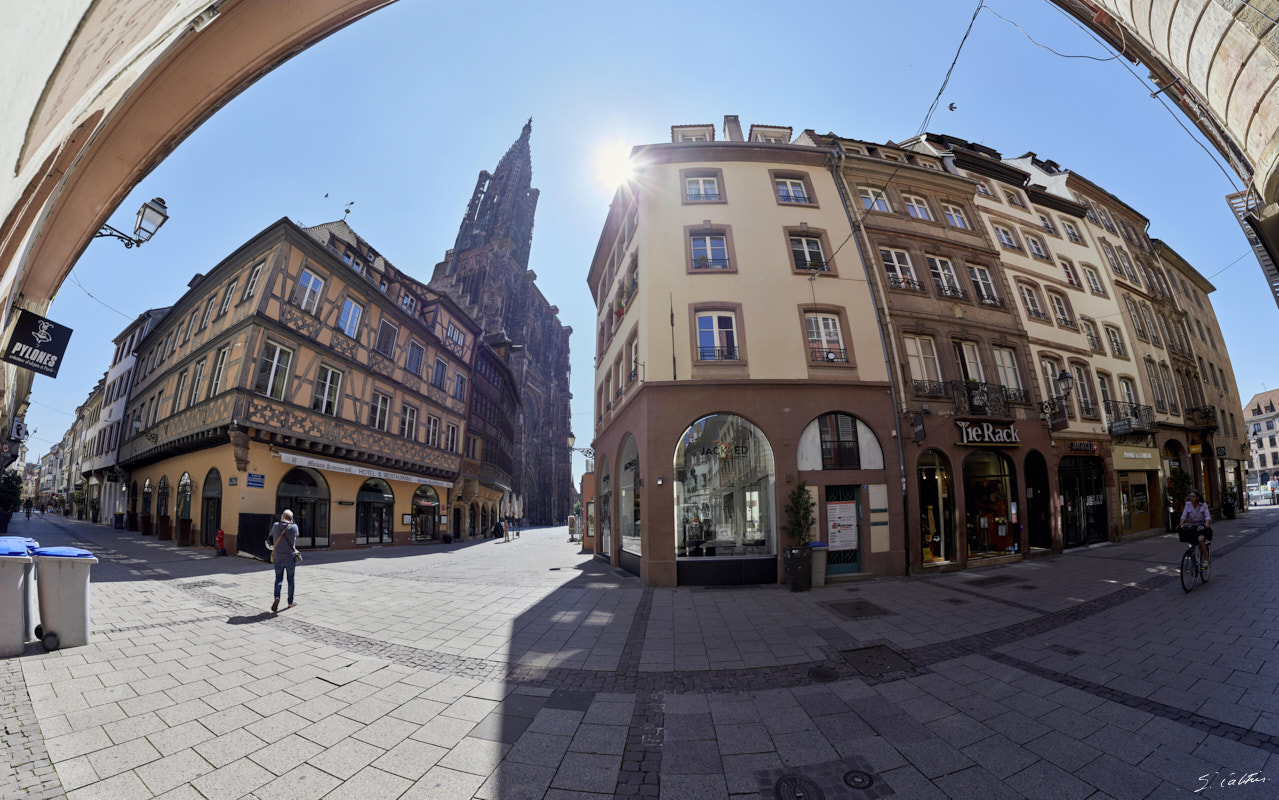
(1196, 524)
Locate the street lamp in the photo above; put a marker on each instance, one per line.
(151, 216)
(1065, 382)
(151, 437)
(586, 451)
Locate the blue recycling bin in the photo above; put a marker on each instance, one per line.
(28, 586)
(15, 565)
(63, 590)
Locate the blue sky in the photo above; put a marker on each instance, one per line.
(401, 110)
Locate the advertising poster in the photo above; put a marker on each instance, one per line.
(841, 525)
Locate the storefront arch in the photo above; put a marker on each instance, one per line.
(147, 494)
(605, 510)
(374, 507)
(471, 520)
(162, 497)
(211, 508)
(1082, 484)
(725, 516)
(936, 507)
(425, 519)
(184, 496)
(305, 492)
(838, 440)
(1039, 522)
(133, 497)
(990, 488)
(628, 506)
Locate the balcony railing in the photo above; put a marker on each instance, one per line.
(980, 399)
(694, 197)
(931, 388)
(946, 290)
(1094, 343)
(1036, 314)
(717, 354)
(830, 356)
(1088, 408)
(1203, 417)
(630, 378)
(1067, 322)
(1016, 395)
(1124, 417)
(793, 197)
(898, 282)
(618, 393)
(841, 455)
(702, 262)
(990, 300)
(812, 264)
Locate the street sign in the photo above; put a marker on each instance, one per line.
(1121, 425)
(256, 480)
(36, 343)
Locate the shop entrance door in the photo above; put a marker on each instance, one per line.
(1039, 531)
(936, 508)
(1134, 493)
(1083, 501)
(842, 508)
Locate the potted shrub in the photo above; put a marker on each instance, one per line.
(800, 521)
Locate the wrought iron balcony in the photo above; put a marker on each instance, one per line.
(812, 264)
(631, 377)
(618, 393)
(702, 262)
(1124, 417)
(931, 388)
(695, 197)
(1036, 314)
(793, 197)
(949, 291)
(1016, 395)
(980, 399)
(1094, 342)
(831, 356)
(717, 354)
(990, 300)
(1067, 322)
(898, 282)
(1203, 417)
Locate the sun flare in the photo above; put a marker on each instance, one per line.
(612, 164)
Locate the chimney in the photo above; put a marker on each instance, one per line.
(732, 129)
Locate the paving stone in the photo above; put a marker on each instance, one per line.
(1000, 756)
(477, 756)
(125, 786)
(410, 759)
(122, 757)
(587, 772)
(330, 730)
(443, 731)
(230, 747)
(233, 780)
(805, 747)
(516, 782)
(302, 782)
(540, 749)
(346, 758)
(1067, 753)
(693, 787)
(285, 754)
(1044, 781)
(371, 784)
(1118, 777)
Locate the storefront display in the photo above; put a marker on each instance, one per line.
(628, 499)
(936, 508)
(990, 489)
(1138, 482)
(1081, 480)
(724, 489)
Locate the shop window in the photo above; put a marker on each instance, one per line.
(305, 492)
(374, 506)
(724, 486)
(990, 487)
(936, 508)
(628, 499)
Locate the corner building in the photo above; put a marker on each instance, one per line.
(304, 371)
(736, 355)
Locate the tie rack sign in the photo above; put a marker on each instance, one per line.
(36, 343)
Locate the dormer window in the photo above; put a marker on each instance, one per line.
(759, 133)
(693, 133)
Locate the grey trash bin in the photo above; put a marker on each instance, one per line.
(63, 589)
(819, 563)
(29, 617)
(14, 566)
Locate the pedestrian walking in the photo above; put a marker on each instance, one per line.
(283, 540)
(506, 530)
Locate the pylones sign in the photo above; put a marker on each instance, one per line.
(987, 433)
(36, 343)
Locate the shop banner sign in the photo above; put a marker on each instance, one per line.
(351, 469)
(36, 343)
(977, 433)
(841, 525)
(1196, 448)
(1136, 458)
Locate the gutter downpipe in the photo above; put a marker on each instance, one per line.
(837, 173)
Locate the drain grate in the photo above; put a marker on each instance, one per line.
(993, 580)
(876, 661)
(857, 609)
(858, 779)
(798, 787)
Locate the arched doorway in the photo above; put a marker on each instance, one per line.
(162, 498)
(1082, 484)
(605, 511)
(306, 493)
(146, 496)
(425, 520)
(184, 496)
(1039, 523)
(457, 523)
(472, 521)
(990, 487)
(374, 507)
(211, 508)
(936, 507)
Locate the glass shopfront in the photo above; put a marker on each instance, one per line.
(724, 489)
(306, 493)
(604, 510)
(990, 491)
(628, 498)
(936, 508)
(425, 520)
(1082, 482)
(1138, 482)
(211, 507)
(374, 504)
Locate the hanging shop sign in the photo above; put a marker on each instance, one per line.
(352, 469)
(841, 525)
(1221, 452)
(1136, 458)
(1082, 447)
(988, 433)
(1195, 448)
(36, 343)
(917, 426)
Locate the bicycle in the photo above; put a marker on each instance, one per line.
(1191, 568)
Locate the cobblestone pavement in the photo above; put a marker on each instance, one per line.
(491, 670)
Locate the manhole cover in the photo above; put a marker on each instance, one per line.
(823, 674)
(858, 779)
(875, 661)
(798, 787)
(857, 609)
(994, 580)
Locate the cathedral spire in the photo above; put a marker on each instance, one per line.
(503, 203)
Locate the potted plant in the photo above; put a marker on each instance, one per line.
(702, 262)
(800, 521)
(1229, 502)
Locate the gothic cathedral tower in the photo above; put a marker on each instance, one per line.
(487, 273)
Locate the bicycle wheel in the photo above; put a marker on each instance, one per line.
(1188, 569)
(1207, 563)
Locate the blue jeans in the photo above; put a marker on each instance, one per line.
(285, 566)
